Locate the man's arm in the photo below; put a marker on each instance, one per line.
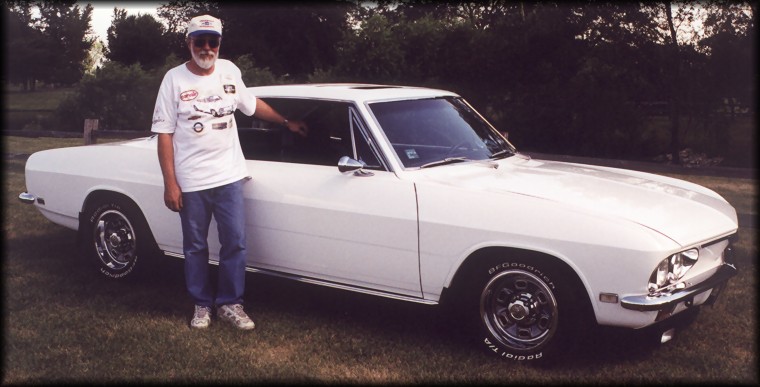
(267, 113)
(172, 191)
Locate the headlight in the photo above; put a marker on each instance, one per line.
(671, 270)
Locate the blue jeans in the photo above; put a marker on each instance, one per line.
(227, 206)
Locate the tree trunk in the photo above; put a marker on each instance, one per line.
(674, 72)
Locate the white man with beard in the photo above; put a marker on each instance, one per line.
(204, 169)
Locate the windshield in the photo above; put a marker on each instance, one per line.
(428, 132)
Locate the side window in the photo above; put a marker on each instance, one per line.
(328, 139)
(333, 133)
(260, 140)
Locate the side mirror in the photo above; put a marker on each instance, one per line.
(347, 164)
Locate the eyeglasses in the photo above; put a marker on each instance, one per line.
(201, 42)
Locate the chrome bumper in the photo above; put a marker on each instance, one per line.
(667, 303)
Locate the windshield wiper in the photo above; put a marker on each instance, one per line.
(448, 160)
(452, 160)
(501, 153)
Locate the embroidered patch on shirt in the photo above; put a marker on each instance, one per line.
(229, 89)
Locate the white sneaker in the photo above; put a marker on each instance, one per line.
(201, 317)
(234, 314)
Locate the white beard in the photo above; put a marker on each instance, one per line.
(204, 63)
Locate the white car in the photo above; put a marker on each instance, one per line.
(409, 193)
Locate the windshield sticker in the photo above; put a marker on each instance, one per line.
(411, 154)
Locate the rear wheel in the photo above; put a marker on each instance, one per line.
(115, 236)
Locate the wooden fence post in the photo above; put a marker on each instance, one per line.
(90, 131)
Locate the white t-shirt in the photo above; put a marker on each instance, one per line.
(199, 111)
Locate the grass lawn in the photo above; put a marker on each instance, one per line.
(43, 99)
(31, 109)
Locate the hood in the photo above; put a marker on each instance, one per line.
(684, 212)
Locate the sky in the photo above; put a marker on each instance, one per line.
(102, 11)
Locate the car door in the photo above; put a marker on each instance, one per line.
(306, 218)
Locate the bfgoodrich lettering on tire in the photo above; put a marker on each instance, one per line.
(115, 237)
(524, 309)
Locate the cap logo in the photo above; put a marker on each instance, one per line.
(204, 24)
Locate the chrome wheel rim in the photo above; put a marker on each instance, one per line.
(519, 310)
(115, 240)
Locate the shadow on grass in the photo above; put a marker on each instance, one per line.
(430, 326)
(403, 326)
(55, 262)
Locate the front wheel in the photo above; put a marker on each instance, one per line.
(115, 236)
(518, 312)
(524, 310)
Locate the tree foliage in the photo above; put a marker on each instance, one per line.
(175, 15)
(52, 46)
(65, 27)
(137, 39)
(289, 38)
(576, 77)
(25, 46)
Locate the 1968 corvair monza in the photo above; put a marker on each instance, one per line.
(409, 193)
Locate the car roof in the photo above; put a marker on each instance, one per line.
(357, 92)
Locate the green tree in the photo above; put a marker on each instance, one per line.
(373, 53)
(618, 69)
(51, 47)
(175, 15)
(421, 41)
(254, 76)
(730, 46)
(136, 39)
(25, 46)
(64, 25)
(290, 38)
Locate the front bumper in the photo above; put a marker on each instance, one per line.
(666, 304)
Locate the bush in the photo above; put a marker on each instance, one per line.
(123, 97)
(255, 76)
(120, 97)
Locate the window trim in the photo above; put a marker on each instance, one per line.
(355, 118)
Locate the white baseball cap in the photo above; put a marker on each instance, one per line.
(204, 25)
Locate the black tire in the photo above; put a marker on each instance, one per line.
(525, 309)
(116, 237)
